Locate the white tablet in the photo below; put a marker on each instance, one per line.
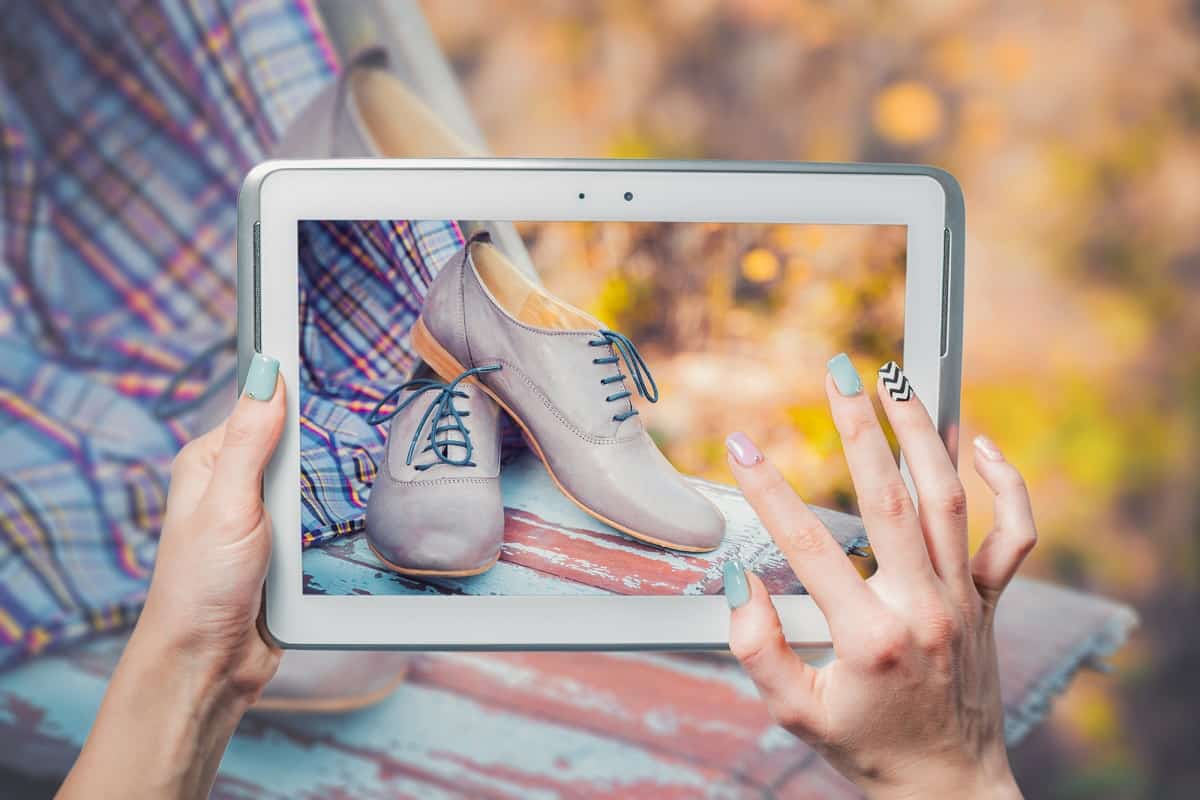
(731, 282)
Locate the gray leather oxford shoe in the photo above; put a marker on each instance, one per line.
(562, 381)
(435, 508)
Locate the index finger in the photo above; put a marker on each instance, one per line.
(813, 554)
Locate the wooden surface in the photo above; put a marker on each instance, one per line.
(552, 547)
(542, 725)
(533, 725)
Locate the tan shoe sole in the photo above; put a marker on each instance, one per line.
(447, 366)
(331, 705)
(433, 573)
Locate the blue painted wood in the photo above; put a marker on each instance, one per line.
(532, 725)
(552, 547)
(525, 725)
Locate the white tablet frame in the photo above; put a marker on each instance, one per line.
(277, 194)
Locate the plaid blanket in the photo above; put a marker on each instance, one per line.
(361, 288)
(125, 131)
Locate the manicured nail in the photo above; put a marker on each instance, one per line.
(845, 377)
(260, 378)
(737, 588)
(895, 381)
(988, 448)
(743, 450)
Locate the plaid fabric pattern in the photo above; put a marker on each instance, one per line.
(125, 130)
(361, 288)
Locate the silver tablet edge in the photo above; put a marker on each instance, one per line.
(953, 269)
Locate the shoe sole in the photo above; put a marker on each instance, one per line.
(433, 573)
(447, 366)
(330, 705)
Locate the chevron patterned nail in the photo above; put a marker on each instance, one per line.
(895, 381)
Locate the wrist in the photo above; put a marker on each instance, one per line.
(985, 779)
(228, 659)
(183, 675)
(967, 787)
(186, 699)
(181, 710)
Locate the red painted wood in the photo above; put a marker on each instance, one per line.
(603, 559)
(690, 715)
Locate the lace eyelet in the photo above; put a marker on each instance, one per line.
(622, 348)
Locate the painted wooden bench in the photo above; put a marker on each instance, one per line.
(531, 725)
(553, 547)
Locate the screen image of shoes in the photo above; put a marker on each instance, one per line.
(467, 427)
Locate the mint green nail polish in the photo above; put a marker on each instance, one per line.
(260, 378)
(845, 377)
(737, 589)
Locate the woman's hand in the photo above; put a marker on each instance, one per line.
(910, 707)
(196, 659)
(206, 592)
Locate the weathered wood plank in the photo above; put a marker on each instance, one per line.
(552, 547)
(707, 714)
(545, 724)
(451, 742)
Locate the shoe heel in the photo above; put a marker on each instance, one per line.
(433, 354)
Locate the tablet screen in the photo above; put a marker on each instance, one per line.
(583, 453)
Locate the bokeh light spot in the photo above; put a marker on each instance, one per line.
(908, 113)
(760, 265)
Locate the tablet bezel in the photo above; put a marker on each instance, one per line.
(278, 194)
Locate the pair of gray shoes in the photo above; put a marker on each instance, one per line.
(497, 340)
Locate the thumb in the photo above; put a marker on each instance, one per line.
(786, 683)
(251, 433)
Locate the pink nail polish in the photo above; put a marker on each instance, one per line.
(743, 450)
(988, 448)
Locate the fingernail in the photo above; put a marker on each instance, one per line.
(260, 378)
(737, 588)
(895, 381)
(743, 450)
(845, 377)
(988, 448)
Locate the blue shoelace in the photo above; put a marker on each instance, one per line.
(440, 409)
(166, 406)
(639, 372)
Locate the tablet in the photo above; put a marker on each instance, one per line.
(710, 294)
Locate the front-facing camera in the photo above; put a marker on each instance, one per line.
(629, 195)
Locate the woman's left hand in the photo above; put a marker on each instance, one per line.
(212, 559)
(197, 658)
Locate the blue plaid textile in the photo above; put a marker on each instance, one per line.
(361, 288)
(125, 130)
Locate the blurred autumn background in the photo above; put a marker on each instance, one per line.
(1074, 128)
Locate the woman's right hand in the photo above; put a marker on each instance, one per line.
(910, 707)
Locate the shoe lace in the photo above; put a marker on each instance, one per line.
(443, 417)
(639, 372)
(167, 405)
